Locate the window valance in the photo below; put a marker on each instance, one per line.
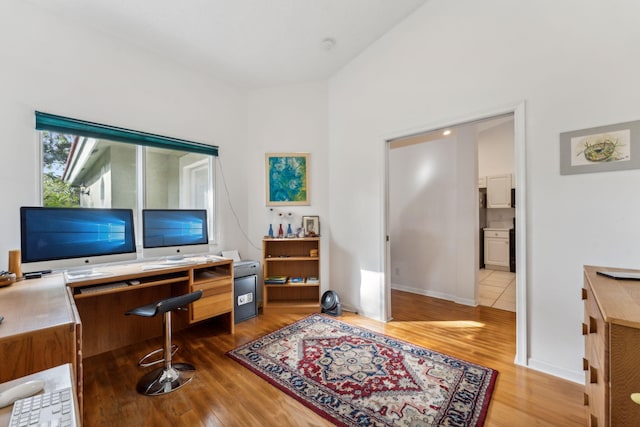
(50, 122)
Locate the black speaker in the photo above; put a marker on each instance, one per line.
(331, 303)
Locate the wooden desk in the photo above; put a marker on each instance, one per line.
(55, 378)
(105, 327)
(41, 327)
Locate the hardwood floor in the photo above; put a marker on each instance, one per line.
(224, 393)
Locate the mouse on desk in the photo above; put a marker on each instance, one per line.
(133, 282)
(20, 391)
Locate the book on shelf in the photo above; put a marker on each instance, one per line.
(313, 280)
(276, 280)
(299, 279)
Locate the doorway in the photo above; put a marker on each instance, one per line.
(439, 210)
(496, 192)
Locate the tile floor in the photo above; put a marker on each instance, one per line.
(498, 289)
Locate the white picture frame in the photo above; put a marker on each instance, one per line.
(311, 225)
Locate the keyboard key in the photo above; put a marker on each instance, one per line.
(53, 409)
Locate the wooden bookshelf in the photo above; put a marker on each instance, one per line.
(291, 258)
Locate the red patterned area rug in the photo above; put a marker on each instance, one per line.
(355, 377)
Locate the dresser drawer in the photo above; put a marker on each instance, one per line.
(596, 413)
(595, 332)
(596, 335)
(596, 386)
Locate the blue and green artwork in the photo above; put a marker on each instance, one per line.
(287, 175)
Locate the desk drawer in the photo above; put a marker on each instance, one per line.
(211, 306)
(214, 287)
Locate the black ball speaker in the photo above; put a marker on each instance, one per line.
(331, 303)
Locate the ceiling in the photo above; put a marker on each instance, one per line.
(248, 43)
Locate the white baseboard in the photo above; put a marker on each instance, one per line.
(569, 375)
(434, 294)
(350, 309)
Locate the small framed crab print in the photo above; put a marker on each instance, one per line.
(600, 149)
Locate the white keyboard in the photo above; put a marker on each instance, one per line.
(84, 275)
(171, 264)
(98, 288)
(54, 408)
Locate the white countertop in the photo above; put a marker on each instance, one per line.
(499, 226)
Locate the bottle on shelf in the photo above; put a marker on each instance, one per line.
(289, 231)
(280, 232)
(270, 231)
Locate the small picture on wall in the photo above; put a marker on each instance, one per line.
(600, 149)
(311, 225)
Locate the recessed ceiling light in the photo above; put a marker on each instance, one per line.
(446, 132)
(328, 43)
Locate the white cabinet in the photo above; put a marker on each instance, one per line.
(496, 248)
(499, 191)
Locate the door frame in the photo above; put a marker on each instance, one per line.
(518, 111)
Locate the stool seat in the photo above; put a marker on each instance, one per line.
(164, 305)
(170, 377)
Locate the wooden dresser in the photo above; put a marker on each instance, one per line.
(611, 361)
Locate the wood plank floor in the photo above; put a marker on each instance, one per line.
(223, 393)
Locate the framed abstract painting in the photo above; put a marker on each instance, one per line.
(287, 179)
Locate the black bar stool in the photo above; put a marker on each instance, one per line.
(171, 376)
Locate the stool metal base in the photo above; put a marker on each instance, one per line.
(163, 380)
(143, 361)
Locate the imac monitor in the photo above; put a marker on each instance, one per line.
(174, 232)
(60, 238)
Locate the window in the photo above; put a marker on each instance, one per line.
(81, 168)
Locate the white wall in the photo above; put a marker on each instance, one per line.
(61, 67)
(432, 217)
(450, 61)
(446, 61)
(495, 149)
(422, 217)
(283, 120)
